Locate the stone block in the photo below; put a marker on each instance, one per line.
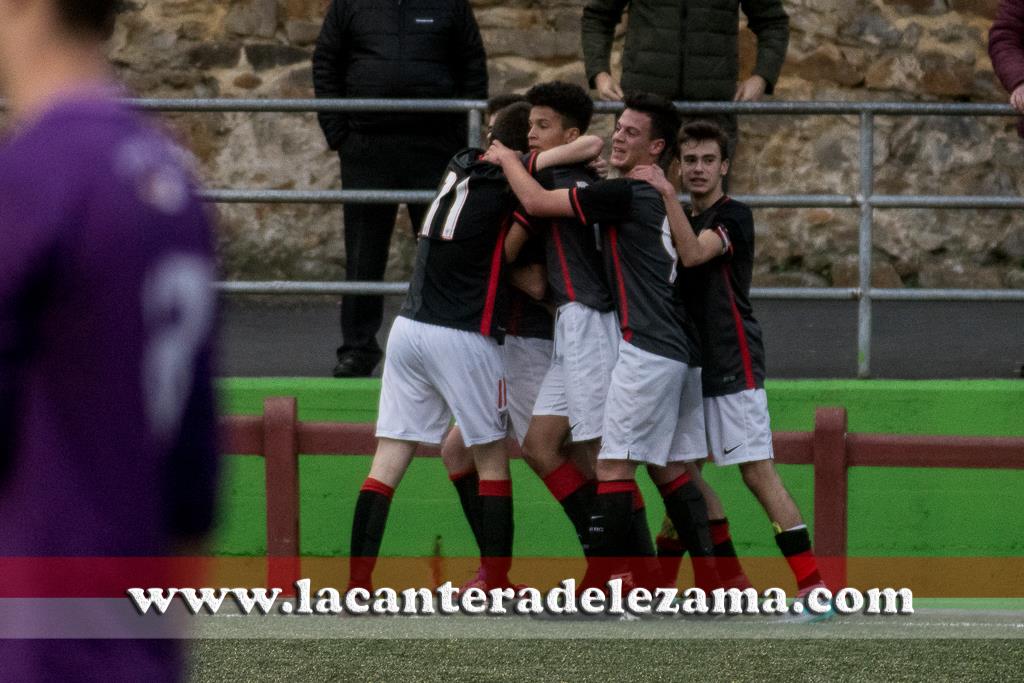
(263, 57)
(253, 18)
(302, 32)
(215, 55)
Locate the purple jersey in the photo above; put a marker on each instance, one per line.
(107, 425)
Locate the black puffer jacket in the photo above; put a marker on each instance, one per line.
(397, 49)
(684, 49)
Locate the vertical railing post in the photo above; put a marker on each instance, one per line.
(830, 493)
(281, 454)
(475, 126)
(864, 198)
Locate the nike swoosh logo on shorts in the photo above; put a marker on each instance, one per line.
(730, 450)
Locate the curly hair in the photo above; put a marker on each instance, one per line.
(570, 101)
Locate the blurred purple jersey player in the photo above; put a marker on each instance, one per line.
(107, 441)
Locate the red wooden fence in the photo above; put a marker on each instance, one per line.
(279, 437)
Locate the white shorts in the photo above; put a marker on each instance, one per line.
(527, 360)
(431, 372)
(738, 427)
(654, 412)
(576, 384)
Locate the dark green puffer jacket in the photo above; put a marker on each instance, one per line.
(684, 49)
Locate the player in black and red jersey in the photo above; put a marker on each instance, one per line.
(653, 413)
(715, 241)
(559, 118)
(443, 354)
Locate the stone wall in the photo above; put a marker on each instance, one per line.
(929, 50)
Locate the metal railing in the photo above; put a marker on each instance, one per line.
(864, 199)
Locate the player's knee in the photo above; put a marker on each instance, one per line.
(759, 475)
(612, 470)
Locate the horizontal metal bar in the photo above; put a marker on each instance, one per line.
(318, 196)
(806, 293)
(795, 201)
(410, 105)
(306, 105)
(897, 201)
(286, 287)
(948, 294)
(227, 196)
(839, 201)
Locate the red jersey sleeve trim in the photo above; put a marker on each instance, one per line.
(576, 207)
(741, 334)
(723, 234)
(497, 257)
(531, 162)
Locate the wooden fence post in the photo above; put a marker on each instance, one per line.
(281, 455)
(830, 493)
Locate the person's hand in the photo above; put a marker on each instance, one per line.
(599, 166)
(655, 176)
(751, 90)
(498, 152)
(607, 88)
(1017, 98)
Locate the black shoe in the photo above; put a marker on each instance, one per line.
(356, 364)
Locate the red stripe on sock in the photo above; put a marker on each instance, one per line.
(495, 487)
(606, 487)
(669, 488)
(805, 568)
(565, 480)
(461, 475)
(719, 531)
(638, 500)
(380, 487)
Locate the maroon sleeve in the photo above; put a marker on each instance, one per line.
(1006, 44)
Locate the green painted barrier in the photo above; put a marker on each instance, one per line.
(892, 511)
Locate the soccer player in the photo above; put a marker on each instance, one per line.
(107, 425)
(443, 356)
(653, 413)
(559, 119)
(715, 241)
(526, 354)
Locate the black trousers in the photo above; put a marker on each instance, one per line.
(381, 162)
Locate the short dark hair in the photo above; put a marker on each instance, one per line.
(499, 102)
(665, 120)
(699, 131)
(512, 126)
(571, 102)
(95, 17)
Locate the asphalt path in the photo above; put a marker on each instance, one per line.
(268, 337)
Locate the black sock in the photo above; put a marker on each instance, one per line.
(368, 522)
(685, 506)
(608, 531)
(496, 530)
(730, 571)
(795, 545)
(467, 485)
(643, 561)
(575, 493)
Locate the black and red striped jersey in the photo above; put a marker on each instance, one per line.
(641, 263)
(574, 263)
(717, 296)
(458, 278)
